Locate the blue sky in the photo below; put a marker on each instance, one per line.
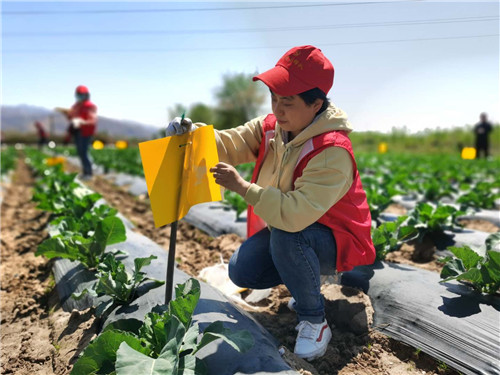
(419, 64)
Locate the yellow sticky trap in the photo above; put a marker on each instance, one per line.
(55, 160)
(382, 148)
(468, 153)
(177, 173)
(97, 145)
(121, 145)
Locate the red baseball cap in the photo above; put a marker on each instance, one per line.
(300, 69)
(82, 90)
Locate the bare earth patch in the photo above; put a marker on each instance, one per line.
(37, 337)
(481, 225)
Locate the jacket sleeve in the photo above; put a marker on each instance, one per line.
(241, 144)
(327, 177)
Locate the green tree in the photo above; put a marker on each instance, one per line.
(200, 112)
(239, 100)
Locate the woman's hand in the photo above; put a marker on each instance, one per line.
(228, 177)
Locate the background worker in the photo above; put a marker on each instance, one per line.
(42, 134)
(83, 124)
(313, 217)
(482, 132)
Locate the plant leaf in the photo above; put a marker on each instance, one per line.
(190, 338)
(131, 325)
(190, 365)
(468, 256)
(57, 247)
(110, 231)
(451, 269)
(493, 265)
(239, 340)
(492, 241)
(183, 307)
(132, 362)
(100, 355)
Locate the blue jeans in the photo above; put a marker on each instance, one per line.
(270, 258)
(82, 147)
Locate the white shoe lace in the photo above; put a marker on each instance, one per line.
(306, 330)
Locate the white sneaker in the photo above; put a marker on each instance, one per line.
(312, 339)
(291, 304)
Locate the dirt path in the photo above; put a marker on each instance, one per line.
(354, 349)
(37, 337)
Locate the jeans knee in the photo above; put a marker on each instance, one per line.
(281, 243)
(235, 274)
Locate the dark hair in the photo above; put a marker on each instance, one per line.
(310, 96)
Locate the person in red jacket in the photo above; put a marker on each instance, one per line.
(83, 124)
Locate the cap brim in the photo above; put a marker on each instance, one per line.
(281, 82)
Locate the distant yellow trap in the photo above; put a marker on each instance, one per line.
(56, 160)
(97, 145)
(468, 153)
(121, 145)
(382, 148)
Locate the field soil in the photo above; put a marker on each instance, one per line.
(37, 337)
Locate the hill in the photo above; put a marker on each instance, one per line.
(20, 119)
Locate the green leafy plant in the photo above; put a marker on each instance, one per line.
(480, 195)
(126, 160)
(84, 224)
(166, 342)
(432, 219)
(57, 192)
(377, 200)
(114, 281)
(482, 273)
(433, 189)
(235, 201)
(87, 250)
(390, 236)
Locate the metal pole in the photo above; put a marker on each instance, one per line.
(173, 236)
(171, 262)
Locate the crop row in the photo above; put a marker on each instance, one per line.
(430, 180)
(8, 158)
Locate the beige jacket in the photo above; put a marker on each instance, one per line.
(325, 179)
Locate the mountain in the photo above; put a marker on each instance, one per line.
(20, 118)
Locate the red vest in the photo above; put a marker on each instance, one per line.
(349, 218)
(83, 110)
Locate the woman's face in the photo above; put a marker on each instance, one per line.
(292, 113)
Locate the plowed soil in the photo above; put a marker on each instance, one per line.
(37, 337)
